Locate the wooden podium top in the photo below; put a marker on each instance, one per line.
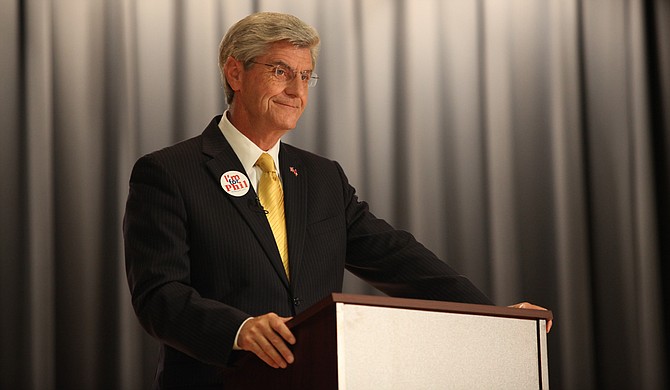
(419, 304)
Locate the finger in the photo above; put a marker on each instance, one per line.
(527, 305)
(258, 351)
(282, 351)
(523, 305)
(280, 334)
(279, 326)
(270, 347)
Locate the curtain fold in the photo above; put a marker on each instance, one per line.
(13, 273)
(523, 141)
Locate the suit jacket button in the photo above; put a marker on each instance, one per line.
(296, 301)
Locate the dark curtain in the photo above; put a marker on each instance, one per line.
(524, 141)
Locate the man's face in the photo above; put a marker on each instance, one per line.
(271, 104)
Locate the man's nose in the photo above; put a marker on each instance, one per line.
(296, 87)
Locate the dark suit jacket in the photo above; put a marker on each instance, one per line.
(200, 261)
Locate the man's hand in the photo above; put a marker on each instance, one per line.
(526, 305)
(266, 336)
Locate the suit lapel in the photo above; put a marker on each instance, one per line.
(224, 159)
(295, 198)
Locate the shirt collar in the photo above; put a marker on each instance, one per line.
(247, 151)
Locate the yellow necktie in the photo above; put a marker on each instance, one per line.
(272, 198)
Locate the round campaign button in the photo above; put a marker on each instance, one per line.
(235, 183)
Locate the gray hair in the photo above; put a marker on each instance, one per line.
(252, 37)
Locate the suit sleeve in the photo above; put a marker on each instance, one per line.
(156, 240)
(394, 262)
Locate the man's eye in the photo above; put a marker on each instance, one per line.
(280, 71)
(305, 76)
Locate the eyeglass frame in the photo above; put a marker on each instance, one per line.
(311, 82)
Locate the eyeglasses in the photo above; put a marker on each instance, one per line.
(285, 74)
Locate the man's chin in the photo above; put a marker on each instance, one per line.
(288, 124)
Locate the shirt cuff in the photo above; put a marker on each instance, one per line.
(235, 346)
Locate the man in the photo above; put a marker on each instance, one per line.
(216, 262)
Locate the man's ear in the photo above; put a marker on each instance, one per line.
(233, 70)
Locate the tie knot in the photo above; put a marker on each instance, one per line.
(265, 163)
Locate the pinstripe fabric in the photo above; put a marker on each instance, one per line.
(200, 261)
(272, 198)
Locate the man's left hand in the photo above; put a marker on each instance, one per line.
(528, 305)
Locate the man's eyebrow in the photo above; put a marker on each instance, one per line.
(282, 63)
(279, 62)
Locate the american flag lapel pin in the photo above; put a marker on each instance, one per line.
(293, 171)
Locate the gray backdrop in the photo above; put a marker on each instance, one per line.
(523, 141)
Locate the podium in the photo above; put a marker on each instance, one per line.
(368, 342)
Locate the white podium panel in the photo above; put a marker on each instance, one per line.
(392, 348)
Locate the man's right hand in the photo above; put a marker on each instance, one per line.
(266, 336)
